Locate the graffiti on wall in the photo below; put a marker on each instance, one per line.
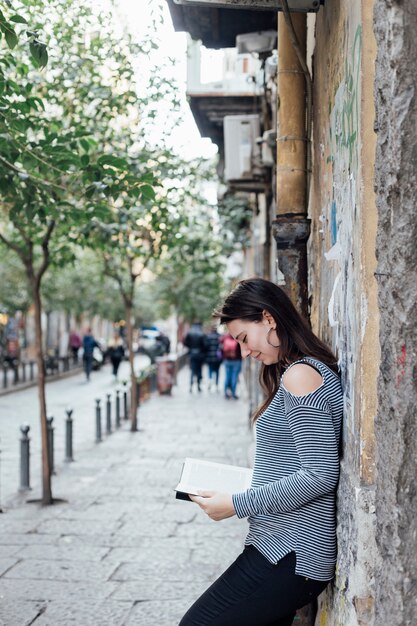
(342, 211)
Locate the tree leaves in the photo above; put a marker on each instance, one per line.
(19, 19)
(74, 137)
(118, 163)
(38, 51)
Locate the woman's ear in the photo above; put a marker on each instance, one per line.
(268, 319)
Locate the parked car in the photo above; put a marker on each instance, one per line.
(153, 342)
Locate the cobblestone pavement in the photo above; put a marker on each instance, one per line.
(120, 550)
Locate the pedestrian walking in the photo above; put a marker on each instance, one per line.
(213, 357)
(290, 550)
(194, 341)
(74, 344)
(89, 343)
(232, 364)
(116, 354)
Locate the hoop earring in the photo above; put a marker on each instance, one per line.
(267, 339)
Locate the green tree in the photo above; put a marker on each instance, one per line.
(14, 294)
(80, 288)
(127, 244)
(190, 274)
(62, 155)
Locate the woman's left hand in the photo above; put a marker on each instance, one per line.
(217, 505)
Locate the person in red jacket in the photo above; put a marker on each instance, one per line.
(233, 364)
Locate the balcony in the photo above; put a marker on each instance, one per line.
(218, 27)
(221, 83)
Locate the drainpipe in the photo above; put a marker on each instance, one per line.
(291, 228)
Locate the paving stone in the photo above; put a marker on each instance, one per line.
(148, 528)
(60, 570)
(6, 564)
(69, 551)
(96, 511)
(9, 550)
(167, 570)
(42, 590)
(180, 513)
(20, 613)
(157, 613)
(153, 588)
(27, 539)
(19, 525)
(159, 552)
(22, 513)
(85, 614)
(84, 527)
(155, 546)
(105, 540)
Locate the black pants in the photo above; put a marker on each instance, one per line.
(254, 592)
(196, 363)
(115, 365)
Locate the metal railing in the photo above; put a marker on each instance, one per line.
(19, 373)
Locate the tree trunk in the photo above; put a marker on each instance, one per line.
(133, 389)
(46, 468)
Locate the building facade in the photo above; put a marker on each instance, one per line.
(335, 224)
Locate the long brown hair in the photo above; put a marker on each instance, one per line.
(247, 301)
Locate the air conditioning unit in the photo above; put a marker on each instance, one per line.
(241, 152)
(262, 41)
(268, 143)
(297, 6)
(271, 66)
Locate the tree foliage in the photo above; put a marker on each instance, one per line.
(67, 153)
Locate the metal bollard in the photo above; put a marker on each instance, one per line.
(1, 510)
(138, 385)
(117, 408)
(24, 371)
(24, 458)
(108, 415)
(98, 421)
(50, 429)
(16, 373)
(137, 394)
(68, 436)
(125, 415)
(31, 373)
(5, 372)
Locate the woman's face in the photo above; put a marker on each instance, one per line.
(252, 337)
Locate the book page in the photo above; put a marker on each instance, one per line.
(198, 475)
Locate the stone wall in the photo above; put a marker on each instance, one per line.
(396, 429)
(344, 307)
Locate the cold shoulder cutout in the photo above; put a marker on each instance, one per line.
(301, 379)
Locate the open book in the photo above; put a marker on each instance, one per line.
(198, 475)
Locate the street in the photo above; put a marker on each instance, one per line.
(119, 549)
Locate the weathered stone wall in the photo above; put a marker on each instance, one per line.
(396, 427)
(342, 283)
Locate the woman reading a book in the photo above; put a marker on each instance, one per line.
(290, 550)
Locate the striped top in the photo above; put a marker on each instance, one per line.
(291, 501)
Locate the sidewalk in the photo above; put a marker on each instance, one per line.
(22, 407)
(122, 550)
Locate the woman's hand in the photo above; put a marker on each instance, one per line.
(217, 505)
